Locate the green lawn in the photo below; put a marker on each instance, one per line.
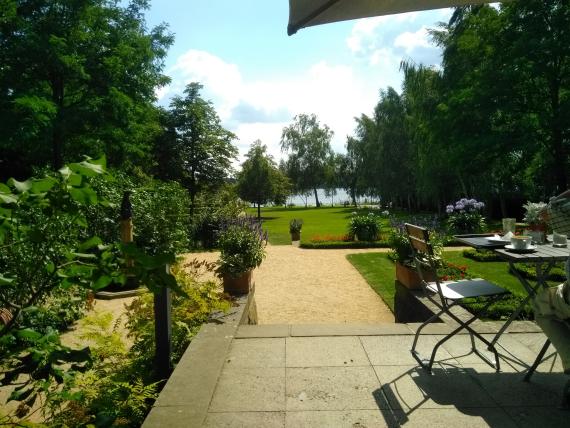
(316, 221)
(380, 273)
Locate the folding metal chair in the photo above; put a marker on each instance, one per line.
(447, 294)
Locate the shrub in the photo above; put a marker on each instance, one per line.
(465, 216)
(364, 227)
(295, 225)
(481, 255)
(329, 238)
(322, 245)
(242, 248)
(211, 212)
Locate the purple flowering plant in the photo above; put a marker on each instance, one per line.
(464, 216)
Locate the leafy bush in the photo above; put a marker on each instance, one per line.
(212, 211)
(242, 248)
(400, 248)
(481, 255)
(465, 216)
(295, 225)
(160, 213)
(528, 271)
(188, 314)
(364, 227)
(322, 245)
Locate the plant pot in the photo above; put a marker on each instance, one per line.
(409, 277)
(295, 236)
(239, 285)
(365, 236)
(538, 236)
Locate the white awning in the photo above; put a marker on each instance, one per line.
(306, 13)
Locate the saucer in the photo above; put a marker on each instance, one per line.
(512, 249)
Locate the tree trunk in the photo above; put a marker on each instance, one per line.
(503, 205)
(353, 196)
(57, 94)
(557, 147)
(316, 197)
(259, 211)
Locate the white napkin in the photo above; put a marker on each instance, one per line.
(508, 236)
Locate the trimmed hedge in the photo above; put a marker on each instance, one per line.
(481, 255)
(529, 272)
(343, 245)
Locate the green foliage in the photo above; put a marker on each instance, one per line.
(211, 211)
(160, 212)
(111, 392)
(188, 314)
(242, 249)
(465, 216)
(195, 149)
(78, 78)
(364, 227)
(322, 245)
(259, 180)
(400, 248)
(528, 271)
(44, 239)
(481, 255)
(533, 212)
(308, 144)
(295, 225)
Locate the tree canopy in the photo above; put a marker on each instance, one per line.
(309, 149)
(78, 77)
(260, 181)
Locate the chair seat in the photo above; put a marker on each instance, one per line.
(478, 287)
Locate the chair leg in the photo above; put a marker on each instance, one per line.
(415, 353)
(537, 361)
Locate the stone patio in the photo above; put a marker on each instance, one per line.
(355, 376)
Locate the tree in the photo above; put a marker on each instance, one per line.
(77, 77)
(202, 150)
(259, 180)
(309, 149)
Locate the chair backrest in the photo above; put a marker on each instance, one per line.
(423, 254)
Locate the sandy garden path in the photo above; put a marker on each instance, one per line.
(297, 286)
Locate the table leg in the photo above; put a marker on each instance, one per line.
(541, 275)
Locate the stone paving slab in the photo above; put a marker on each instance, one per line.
(269, 330)
(325, 351)
(308, 330)
(266, 352)
(411, 387)
(333, 388)
(249, 390)
(245, 419)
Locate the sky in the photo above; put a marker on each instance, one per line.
(258, 78)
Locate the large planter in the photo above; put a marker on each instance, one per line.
(239, 285)
(366, 236)
(295, 236)
(409, 277)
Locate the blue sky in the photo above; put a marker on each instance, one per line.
(258, 78)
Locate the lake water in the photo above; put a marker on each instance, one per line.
(339, 198)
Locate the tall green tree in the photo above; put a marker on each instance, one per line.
(260, 180)
(308, 146)
(78, 77)
(201, 150)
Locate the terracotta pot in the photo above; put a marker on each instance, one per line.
(239, 285)
(295, 236)
(409, 277)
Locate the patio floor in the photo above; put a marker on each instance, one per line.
(362, 376)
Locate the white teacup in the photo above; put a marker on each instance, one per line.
(521, 242)
(559, 239)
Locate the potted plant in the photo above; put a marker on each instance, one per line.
(533, 218)
(401, 254)
(295, 226)
(242, 249)
(364, 227)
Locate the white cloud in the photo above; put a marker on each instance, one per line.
(333, 92)
(412, 40)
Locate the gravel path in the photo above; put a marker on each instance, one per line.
(297, 286)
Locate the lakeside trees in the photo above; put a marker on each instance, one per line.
(308, 145)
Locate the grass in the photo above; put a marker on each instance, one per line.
(316, 221)
(380, 273)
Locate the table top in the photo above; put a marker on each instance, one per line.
(543, 253)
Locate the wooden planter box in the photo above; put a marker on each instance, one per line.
(239, 285)
(409, 277)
